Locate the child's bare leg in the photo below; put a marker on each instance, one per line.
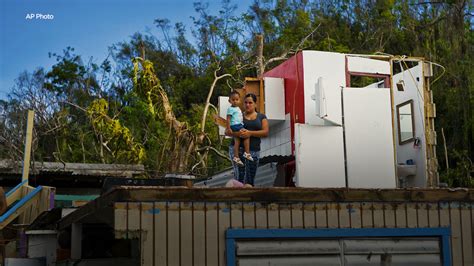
(247, 145)
(236, 147)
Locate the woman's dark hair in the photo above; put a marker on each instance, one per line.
(253, 96)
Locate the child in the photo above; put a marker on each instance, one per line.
(235, 123)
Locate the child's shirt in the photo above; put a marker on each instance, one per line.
(236, 116)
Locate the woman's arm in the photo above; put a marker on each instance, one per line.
(256, 133)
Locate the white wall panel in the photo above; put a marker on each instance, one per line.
(331, 68)
(319, 156)
(274, 98)
(367, 65)
(222, 106)
(369, 139)
(413, 80)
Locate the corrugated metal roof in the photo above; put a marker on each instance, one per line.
(265, 177)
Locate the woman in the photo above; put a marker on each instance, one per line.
(256, 127)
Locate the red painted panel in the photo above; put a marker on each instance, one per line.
(292, 71)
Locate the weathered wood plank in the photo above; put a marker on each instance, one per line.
(174, 238)
(389, 215)
(261, 216)
(199, 213)
(236, 215)
(248, 210)
(433, 214)
(273, 216)
(378, 213)
(332, 215)
(466, 234)
(186, 233)
(147, 234)
(344, 214)
(285, 215)
(120, 220)
(211, 234)
(355, 211)
(133, 220)
(422, 215)
(367, 217)
(297, 215)
(401, 215)
(224, 223)
(161, 233)
(309, 215)
(321, 215)
(456, 238)
(412, 217)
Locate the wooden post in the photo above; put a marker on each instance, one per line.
(27, 154)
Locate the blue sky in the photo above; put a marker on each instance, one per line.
(89, 26)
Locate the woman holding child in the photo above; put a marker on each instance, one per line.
(255, 127)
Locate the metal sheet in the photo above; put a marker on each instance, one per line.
(289, 247)
(393, 260)
(392, 246)
(285, 261)
(319, 156)
(369, 138)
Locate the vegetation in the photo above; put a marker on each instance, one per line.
(145, 102)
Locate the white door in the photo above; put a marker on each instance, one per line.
(369, 138)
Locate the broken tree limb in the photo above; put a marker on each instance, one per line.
(209, 95)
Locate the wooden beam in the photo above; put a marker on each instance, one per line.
(27, 154)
